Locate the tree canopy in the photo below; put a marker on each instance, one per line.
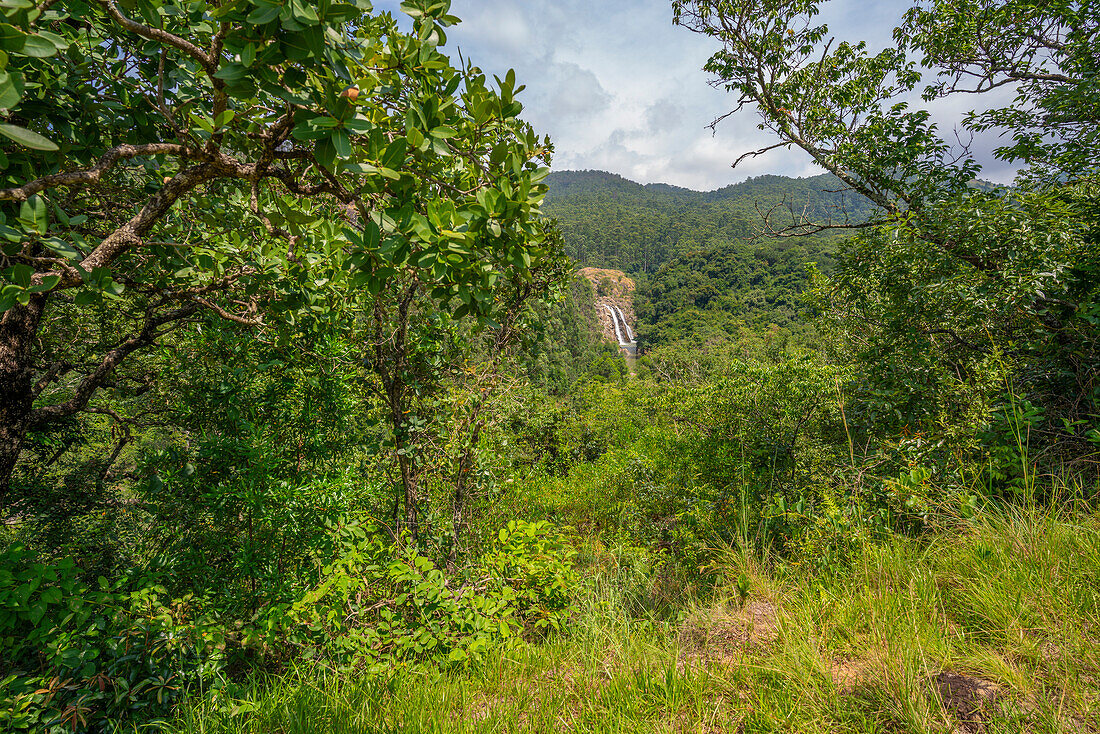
(955, 297)
(253, 160)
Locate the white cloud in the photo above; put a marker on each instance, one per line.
(574, 92)
(618, 87)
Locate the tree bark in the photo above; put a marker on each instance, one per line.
(462, 479)
(18, 329)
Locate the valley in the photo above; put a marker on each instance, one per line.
(711, 278)
(614, 306)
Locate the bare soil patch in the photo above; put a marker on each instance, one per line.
(727, 636)
(972, 701)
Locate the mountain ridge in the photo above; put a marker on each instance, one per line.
(565, 182)
(612, 222)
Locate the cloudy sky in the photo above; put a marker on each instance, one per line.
(619, 88)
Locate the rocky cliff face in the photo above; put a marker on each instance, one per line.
(613, 288)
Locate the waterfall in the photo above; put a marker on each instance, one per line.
(629, 333)
(615, 321)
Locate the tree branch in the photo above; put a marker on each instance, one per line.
(51, 375)
(228, 315)
(92, 175)
(91, 382)
(156, 34)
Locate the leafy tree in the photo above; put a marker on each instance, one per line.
(1045, 50)
(847, 108)
(836, 101)
(247, 159)
(416, 350)
(953, 298)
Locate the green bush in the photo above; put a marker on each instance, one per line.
(382, 604)
(74, 658)
(533, 561)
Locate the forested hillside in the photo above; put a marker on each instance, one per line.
(722, 296)
(611, 222)
(708, 272)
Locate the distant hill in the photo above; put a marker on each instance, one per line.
(612, 222)
(704, 273)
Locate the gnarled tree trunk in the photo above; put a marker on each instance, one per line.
(18, 330)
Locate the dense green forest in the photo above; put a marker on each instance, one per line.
(615, 223)
(307, 425)
(709, 276)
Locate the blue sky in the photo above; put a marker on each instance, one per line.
(619, 88)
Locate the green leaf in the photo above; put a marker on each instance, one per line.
(20, 274)
(326, 153)
(11, 90)
(62, 248)
(359, 125)
(86, 298)
(38, 610)
(11, 38)
(27, 138)
(341, 142)
(48, 283)
(203, 123)
(394, 155)
(231, 72)
(38, 47)
(264, 14)
(303, 12)
(324, 122)
(58, 41)
(33, 210)
(112, 288)
(360, 168)
(224, 118)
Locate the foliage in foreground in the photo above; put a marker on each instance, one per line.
(990, 627)
(96, 658)
(951, 278)
(256, 163)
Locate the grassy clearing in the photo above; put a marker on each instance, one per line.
(993, 628)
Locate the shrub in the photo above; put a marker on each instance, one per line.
(74, 658)
(382, 604)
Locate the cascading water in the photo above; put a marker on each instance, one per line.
(618, 331)
(629, 333)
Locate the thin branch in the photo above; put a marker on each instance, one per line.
(156, 34)
(255, 321)
(93, 174)
(754, 153)
(51, 375)
(91, 382)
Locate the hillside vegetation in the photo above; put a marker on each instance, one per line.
(709, 276)
(615, 223)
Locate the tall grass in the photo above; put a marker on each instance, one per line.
(994, 627)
